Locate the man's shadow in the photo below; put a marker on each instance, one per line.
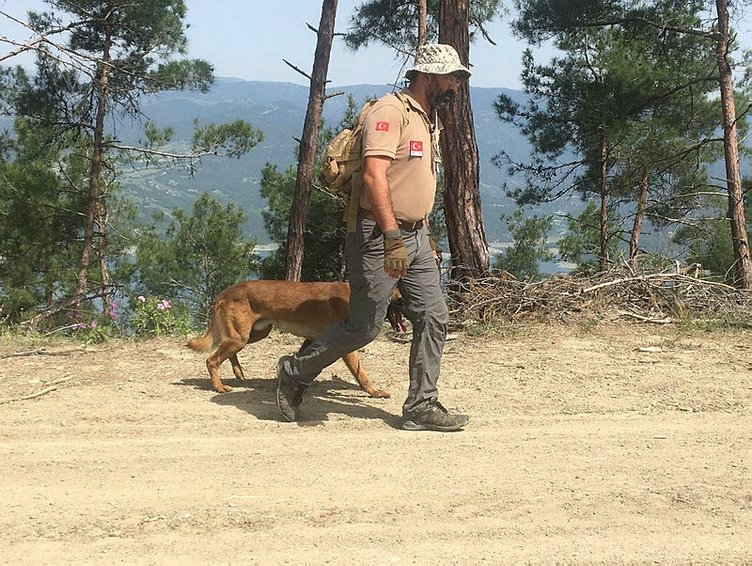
(258, 397)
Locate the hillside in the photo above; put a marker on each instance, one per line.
(278, 109)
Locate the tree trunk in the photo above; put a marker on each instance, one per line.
(101, 84)
(603, 220)
(462, 207)
(634, 238)
(742, 263)
(308, 143)
(104, 271)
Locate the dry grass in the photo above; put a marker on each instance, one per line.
(661, 298)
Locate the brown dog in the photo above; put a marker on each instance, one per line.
(246, 312)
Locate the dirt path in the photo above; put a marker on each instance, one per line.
(620, 444)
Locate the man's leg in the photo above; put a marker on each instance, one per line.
(426, 309)
(370, 291)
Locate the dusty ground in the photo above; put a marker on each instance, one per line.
(614, 444)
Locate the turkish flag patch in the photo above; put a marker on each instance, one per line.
(382, 126)
(416, 148)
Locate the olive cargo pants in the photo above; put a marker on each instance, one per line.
(370, 292)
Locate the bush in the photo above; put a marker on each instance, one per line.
(87, 325)
(94, 331)
(153, 316)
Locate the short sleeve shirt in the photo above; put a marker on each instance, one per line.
(401, 132)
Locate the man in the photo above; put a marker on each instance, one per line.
(392, 245)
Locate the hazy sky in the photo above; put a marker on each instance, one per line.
(248, 39)
(255, 40)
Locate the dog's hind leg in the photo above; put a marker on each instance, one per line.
(352, 361)
(259, 331)
(227, 350)
(237, 369)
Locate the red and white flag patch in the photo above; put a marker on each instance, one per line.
(416, 148)
(382, 126)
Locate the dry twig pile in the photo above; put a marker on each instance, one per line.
(650, 297)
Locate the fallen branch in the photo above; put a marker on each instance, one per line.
(51, 387)
(665, 320)
(629, 279)
(42, 352)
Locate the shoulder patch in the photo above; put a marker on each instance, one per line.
(382, 126)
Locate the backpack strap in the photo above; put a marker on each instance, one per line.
(353, 205)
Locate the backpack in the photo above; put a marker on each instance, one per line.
(343, 161)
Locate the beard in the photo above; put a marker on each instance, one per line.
(445, 100)
(441, 98)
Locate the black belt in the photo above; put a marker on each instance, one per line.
(403, 224)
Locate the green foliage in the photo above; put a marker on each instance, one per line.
(153, 316)
(235, 138)
(581, 243)
(141, 40)
(196, 74)
(324, 235)
(529, 237)
(709, 243)
(395, 23)
(122, 51)
(708, 240)
(39, 226)
(96, 331)
(157, 137)
(196, 256)
(621, 108)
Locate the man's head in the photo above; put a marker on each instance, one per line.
(438, 66)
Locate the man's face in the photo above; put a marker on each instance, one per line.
(442, 90)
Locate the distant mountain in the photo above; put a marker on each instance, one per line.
(278, 109)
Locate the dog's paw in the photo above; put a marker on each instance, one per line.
(380, 394)
(223, 389)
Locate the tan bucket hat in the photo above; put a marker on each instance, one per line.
(437, 59)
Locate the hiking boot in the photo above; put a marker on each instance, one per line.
(435, 417)
(289, 393)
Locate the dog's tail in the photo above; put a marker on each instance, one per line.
(203, 344)
(211, 339)
(208, 341)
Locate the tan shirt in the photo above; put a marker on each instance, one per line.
(402, 133)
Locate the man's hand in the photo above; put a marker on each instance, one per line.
(435, 248)
(395, 254)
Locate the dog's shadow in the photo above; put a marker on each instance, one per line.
(257, 396)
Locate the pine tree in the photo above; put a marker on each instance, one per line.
(115, 52)
(611, 118)
(684, 61)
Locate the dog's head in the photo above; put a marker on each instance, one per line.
(394, 313)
